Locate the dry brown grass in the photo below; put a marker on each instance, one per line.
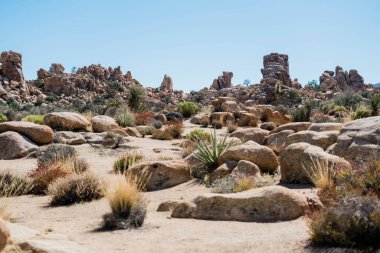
(144, 118)
(127, 160)
(14, 185)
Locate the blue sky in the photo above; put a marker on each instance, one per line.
(194, 41)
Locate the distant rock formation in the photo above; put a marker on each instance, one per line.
(341, 80)
(11, 66)
(276, 68)
(167, 84)
(223, 81)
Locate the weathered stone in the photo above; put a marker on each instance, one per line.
(39, 134)
(245, 119)
(223, 170)
(167, 84)
(69, 138)
(161, 174)
(70, 121)
(246, 169)
(222, 117)
(321, 127)
(13, 146)
(277, 141)
(265, 204)
(295, 126)
(268, 126)
(230, 106)
(320, 139)
(251, 151)
(251, 134)
(167, 206)
(4, 235)
(223, 81)
(276, 66)
(299, 160)
(102, 123)
(131, 131)
(199, 118)
(161, 117)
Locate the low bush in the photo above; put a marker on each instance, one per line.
(122, 164)
(127, 205)
(172, 131)
(349, 100)
(145, 130)
(38, 119)
(3, 118)
(320, 117)
(14, 185)
(352, 223)
(199, 134)
(75, 189)
(187, 109)
(302, 114)
(174, 116)
(157, 124)
(360, 113)
(125, 119)
(144, 118)
(55, 153)
(374, 103)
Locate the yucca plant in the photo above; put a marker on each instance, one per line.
(123, 163)
(208, 154)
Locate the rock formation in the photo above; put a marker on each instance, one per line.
(341, 81)
(276, 68)
(167, 84)
(223, 81)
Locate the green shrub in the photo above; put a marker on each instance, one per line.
(125, 119)
(14, 185)
(75, 189)
(187, 108)
(136, 97)
(174, 116)
(302, 114)
(145, 130)
(360, 113)
(352, 223)
(199, 134)
(3, 118)
(122, 164)
(157, 124)
(38, 119)
(350, 100)
(374, 102)
(209, 154)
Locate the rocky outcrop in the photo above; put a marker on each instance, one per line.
(223, 81)
(102, 123)
(320, 139)
(295, 126)
(251, 151)
(69, 138)
(277, 141)
(11, 66)
(341, 81)
(276, 69)
(158, 175)
(67, 121)
(358, 141)
(39, 134)
(300, 160)
(167, 84)
(13, 146)
(266, 204)
(251, 134)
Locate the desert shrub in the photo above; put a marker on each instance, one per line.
(125, 119)
(209, 154)
(204, 122)
(14, 185)
(349, 100)
(172, 131)
(136, 97)
(75, 189)
(187, 109)
(302, 114)
(145, 130)
(38, 119)
(157, 124)
(320, 117)
(56, 152)
(3, 118)
(216, 124)
(199, 134)
(122, 164)
(374, 103)
(360, 113)
(174, 116)
(127, 205)
(239, 183)
(144, 118)
(352, 223)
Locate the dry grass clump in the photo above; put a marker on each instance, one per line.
(122, 164)
(75, 189)
(144, 118)
(14, 185)
(58, 161)
(172, 131)
(127, 205)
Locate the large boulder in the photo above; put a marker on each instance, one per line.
(246, 169)
(199, 118)
(251, 134)
(4, 235)
(359, 141)
(328, 126)
(320, 139)
(13, 146)
(67, 121)
(102, 123)
(39, 134)
(223, 81)
(222, 171)
(230, 106)
(266, 204)
(277, 141)
(245, 119)
(251, 151)
(299, 160)
(69, 138)
(159, 175)
(295, 126)
(222, 117)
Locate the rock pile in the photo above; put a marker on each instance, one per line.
(223, 81)
(276, 68)
(341, 80)
(167, 84)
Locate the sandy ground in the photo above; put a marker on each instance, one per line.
(160, 233)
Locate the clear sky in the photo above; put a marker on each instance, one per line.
(193, 41)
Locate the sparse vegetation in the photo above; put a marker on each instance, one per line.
(144, 118)
(122, 164)
(360, 113)
(3, 118)
(14, 185)
(136, 98)
(199, 134)
(75, 189)
(125, 119)
(230, 184)
(187, 109)
(38, 119)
